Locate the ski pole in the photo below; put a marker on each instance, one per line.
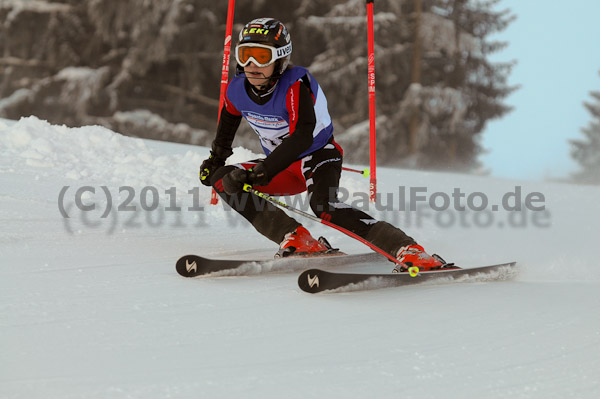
(365, 172)
(249, 189)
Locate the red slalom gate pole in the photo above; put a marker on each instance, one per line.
(371, 74)
(214, 199)
(226, 53)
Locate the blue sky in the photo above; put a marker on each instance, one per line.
(557, 48)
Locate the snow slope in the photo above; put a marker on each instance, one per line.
(91, 307)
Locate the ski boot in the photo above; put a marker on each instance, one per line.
(415, 256)
(300, 243)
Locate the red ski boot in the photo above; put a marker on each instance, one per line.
(300, 243)
(415, 255)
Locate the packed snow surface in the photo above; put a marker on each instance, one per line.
(91, 305)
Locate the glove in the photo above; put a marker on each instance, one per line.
(218, 155)
(258, 175)
(209, 167)
(234, 181)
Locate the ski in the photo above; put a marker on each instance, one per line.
(194, 265)
(316, 280)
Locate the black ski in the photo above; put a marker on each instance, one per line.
(315, 280)
(194, 266)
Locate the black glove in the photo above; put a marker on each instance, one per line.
(258, 175)
(209, 167)
(234, 181)
(218, 155)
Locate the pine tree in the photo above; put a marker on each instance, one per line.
(587, 152)
(456, 91)
(460, 89)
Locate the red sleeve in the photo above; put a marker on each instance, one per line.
(292, 101)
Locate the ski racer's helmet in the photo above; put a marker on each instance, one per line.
(264, 41)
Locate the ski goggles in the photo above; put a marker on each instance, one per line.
(261, 54)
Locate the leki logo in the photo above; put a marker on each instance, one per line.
(190, 267)
(312, 281)
(257, 30)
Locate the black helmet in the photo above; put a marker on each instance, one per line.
(268, 33)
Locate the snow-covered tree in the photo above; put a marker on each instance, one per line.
(587, 151)
(457, 91)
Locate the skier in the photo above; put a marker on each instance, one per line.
(287, 109)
